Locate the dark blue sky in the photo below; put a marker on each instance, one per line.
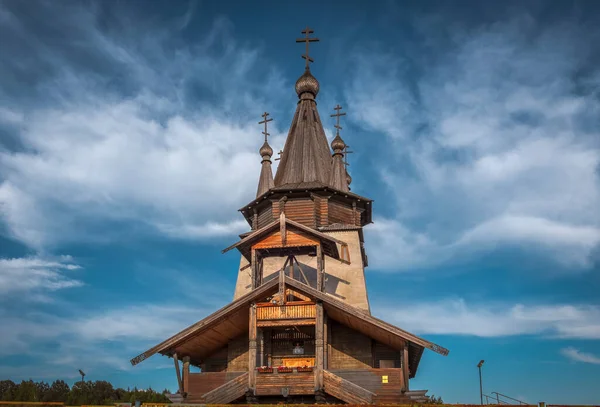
(129, 139)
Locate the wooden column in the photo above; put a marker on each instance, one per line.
(254, 268)
(179, 382)
(186, 374)
(261, 347)
(319, 356)
(320, 273)
(252, 349)
(405, 371)
(325, 341)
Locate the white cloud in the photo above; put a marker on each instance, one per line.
(578, 356)
(496, 144)
(95, 340)
(161, 156)
(457, 317)
(31, 277)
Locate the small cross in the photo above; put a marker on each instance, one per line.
(337, 115)
(279, 154)
(265, 121)
(307, 31)
(346, 152)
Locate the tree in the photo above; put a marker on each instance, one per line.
(433, 400)
(7, 390)
(59, 391)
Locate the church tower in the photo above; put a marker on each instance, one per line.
(299, 328)
(310, 188)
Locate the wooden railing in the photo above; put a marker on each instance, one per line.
(294, 311)
(345, 390)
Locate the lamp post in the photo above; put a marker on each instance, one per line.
(480, 383)
(82, 375)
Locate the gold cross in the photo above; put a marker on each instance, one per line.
(307, 31)
(265, 121)
(337, 116)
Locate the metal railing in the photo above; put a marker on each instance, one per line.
(499, 398)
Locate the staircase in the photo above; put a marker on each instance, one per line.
(228, 392)
(345, 390)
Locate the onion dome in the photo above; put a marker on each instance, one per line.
(348, 178)
(266, 150)
(338, 144)
(307, 83)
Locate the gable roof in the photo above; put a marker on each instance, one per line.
(329, 243)
(215, 331)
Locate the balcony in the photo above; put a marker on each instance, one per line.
(293, 313)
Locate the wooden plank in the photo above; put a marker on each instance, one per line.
(186, 374)
(252, 348)
(285, 322)
(325, 341)
(282, 230)
(254, 268)
(319, 347)
(405, 365)
(228, 392)
(179, 382)
(345, 390)
(320, 273)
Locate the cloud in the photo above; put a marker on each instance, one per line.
(492, 141)
(95, 340)
(457, 317)
(156, 134)
(578, 356)
(32, 277)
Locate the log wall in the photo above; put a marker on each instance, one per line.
(340, 213)
(201, 383)
(348, 349)
(270, 384)
(371, 380)
(237, 353)
(217, 362)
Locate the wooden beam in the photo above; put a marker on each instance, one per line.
(282, 228)
(179, 382)
(319, 356)
(320, 274)
(325, 341)
(252, 349)
(186, 374)
(254, 265)
(405, 370)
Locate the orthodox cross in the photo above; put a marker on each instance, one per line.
(307, 31)
(346, 152)
(279, 154)
(337, 115)
(265, 121)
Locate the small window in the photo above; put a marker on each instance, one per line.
(384, 379)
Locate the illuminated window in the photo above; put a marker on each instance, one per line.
(384, 379)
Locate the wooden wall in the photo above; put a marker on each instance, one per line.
(348, 349)
(301, 211)
(237, 354)
(201, 383)
(371, 380)
(340, 212)
(265, 216)
(270, 384)
(383, 352)
(217, 362)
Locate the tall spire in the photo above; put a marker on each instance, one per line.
(265, 182)
(338, 178)
(306, 158)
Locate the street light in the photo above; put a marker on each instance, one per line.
(480, 385)
(82, 375)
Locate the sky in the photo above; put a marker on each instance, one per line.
(129, 138)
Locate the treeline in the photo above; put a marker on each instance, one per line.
(89, 392)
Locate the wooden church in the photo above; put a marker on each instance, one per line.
(299, 328)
